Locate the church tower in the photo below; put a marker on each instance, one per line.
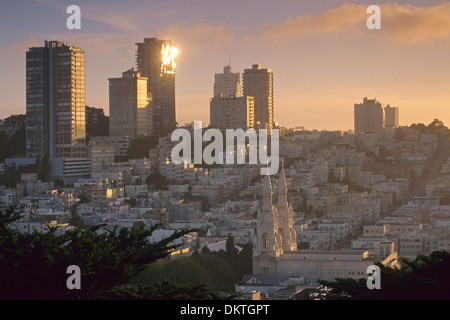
(267, 242)
(287, 232)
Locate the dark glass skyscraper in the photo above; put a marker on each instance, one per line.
(156, 61)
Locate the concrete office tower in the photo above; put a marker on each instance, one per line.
(391, 115)
(369, 117)
(55, 101)
(258, 83)
(232, 112)
(129, 106)
(156, 60)
(227, 84)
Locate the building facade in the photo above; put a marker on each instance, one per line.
(55, 101)
(101, 155)
(232, 112)
(391, 114)
(369, 117)
(258, 83)
(129, 106)
(227, 84)
(156, 60)
(121, 143)
(373, 118)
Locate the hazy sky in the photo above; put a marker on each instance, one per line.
(323, 56)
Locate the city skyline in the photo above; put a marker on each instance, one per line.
(115, 186)
(323, 57)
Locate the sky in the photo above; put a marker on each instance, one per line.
(323, 56)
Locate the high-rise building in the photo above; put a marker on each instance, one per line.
(227, 84)
(258, 83)
(229, 109)
(232, 112)
(55, 101)
(129, 106)
(372, 117)
(156, 60)
(391, 115)
(369, 117)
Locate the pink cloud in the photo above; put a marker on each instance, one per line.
(338, 19)
(412, 25)
(401, 24)
(201, 37)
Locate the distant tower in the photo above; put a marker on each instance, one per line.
(157, 61)
(285, 216)
(391, 114)
(258, 83)
(228, 109)
(267, 242)
(227, 84)
(369, 117)
(129, 106)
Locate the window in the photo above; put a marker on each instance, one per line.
(265, 241)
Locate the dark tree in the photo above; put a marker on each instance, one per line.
(424, 278)
(140, 147)
(231, 249)
(5, 151)
(18, 142)
(165, 290)
(34, 266)
(157, 181)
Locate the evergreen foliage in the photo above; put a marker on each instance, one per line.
(34, 266)
(427, 277)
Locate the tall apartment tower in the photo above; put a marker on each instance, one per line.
(369, 117)
(129, 106)
(156, 61)
(258, 83)
(227, 84)
(55, 101)
(391, 114)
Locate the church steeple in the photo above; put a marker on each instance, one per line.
(267, 243)
(285, 215)
(267, 193)
(282, 186)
